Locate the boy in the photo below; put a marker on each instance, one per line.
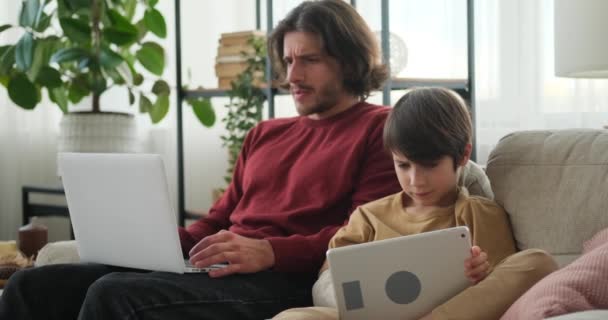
(428, 134)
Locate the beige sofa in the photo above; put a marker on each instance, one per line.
(553, 184)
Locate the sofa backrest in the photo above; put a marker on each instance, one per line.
(554, 186)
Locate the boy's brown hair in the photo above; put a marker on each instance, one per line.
(428, 123)
(344, 36)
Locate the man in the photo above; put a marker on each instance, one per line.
(295, 183)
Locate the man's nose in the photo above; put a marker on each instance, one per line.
(295, 72)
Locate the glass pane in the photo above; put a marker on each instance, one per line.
(428, 37)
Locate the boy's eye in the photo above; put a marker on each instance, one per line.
(403, 165)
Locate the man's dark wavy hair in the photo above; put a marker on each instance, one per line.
(345, 36)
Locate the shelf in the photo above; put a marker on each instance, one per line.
(405, 83)
(215, 92)
(204, 93)
(396, 84)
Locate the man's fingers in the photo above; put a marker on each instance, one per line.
(221, 236)
(211, 251)
(223, 257)
(228, 270)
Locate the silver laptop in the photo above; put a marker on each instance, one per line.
(400, 278)
(121, 211)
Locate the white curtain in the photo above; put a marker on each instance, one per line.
(516, 86)
(27, 143)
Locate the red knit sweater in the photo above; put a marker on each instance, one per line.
(297, 180)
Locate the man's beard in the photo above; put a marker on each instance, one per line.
(324, 101)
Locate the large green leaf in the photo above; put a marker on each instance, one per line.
(120, 36)
(152, 57)
(7, 59)
(60, 97)
(131, 97)
(78, 89)
(69, 54)
(155, 22)
(79, 4)
(125, 73)
(145, 105)
(4, 80)
(152, 3)
(160, 108)
(44, 22)
(161, 87)
(23, 92)
(4, 27)
(121, 32)
(24, 52)
(49, 77)
(130, 6)
(203, 110)
(118, 20)
(97, 82)
(76, 30)
(29, 13)
(109, 59)
(42, 53)
(142, 30)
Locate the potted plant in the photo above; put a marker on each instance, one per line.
(78, 49)
(247, 99)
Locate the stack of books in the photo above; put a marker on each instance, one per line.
(232, 54)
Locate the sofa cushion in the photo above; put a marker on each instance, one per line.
(553, 185)
(58, 252)
(582, 285)
(473, 177)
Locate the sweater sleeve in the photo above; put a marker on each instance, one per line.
(218, 217)
(490, 229)
(313, 248)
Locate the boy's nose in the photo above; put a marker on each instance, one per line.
(417, 177)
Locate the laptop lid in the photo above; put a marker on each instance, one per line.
(121, 211)
(400, 278)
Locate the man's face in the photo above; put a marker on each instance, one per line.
(315, 78)
(427, 184)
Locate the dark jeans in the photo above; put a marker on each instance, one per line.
(91, 291)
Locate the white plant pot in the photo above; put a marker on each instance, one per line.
(98, 132)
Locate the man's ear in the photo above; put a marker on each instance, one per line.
(466, 155)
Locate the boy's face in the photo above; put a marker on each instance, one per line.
(427, 184)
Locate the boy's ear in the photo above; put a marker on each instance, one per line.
(466, 155)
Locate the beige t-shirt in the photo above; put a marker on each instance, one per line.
(387, 218)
